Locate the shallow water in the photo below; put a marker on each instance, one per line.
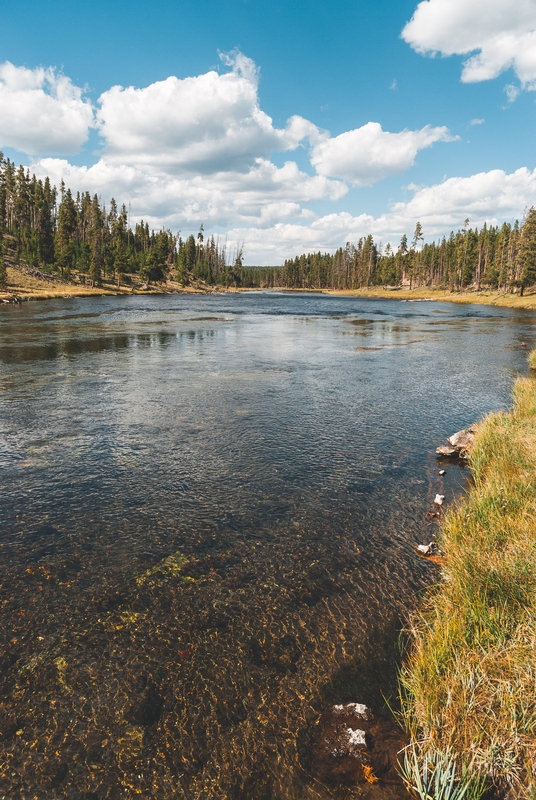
(209, 511)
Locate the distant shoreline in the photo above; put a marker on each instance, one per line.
(487, 298)
(27, 287)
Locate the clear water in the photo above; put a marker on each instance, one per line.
(209, 511)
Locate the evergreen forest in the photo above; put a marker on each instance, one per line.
(494, 257)
(51, 232)
(47, 232)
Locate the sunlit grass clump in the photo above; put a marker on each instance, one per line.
(437, 776)
(532, 359)
(469, 685)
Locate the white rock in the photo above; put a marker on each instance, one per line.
(442, 471)
(356, 737)
(357, 708)
(462, 439)
(439, 499)
(425, 549)
(446, 450)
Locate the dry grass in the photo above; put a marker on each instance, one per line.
(29, 287)
(490, 298)
(469, 684)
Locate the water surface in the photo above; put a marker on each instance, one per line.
(209, 511)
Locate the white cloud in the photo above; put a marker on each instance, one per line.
(213, 123)
(204, 124)
(489, 197)
(42, 111)
(477, 121)
(503, 32)
(199, 149)
(484, 197)
(368, 154)
(261, 196)
(192, 150)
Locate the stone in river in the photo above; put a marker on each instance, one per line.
(446, 450)
(462, 440)
(426, 549)
(458, 443)
(438, 500)
(352, 744)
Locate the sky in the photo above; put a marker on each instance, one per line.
(286, 127)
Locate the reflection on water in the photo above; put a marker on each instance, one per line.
(209, 511)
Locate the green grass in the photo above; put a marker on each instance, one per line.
(437, 776)
(469, 682)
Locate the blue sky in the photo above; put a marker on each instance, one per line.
(382, 132)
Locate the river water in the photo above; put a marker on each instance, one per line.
(209, 512)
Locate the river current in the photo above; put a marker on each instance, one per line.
(209, 512)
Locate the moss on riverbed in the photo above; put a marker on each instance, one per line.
(470, 679)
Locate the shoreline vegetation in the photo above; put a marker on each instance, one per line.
(468, 685)
(54, 243)
(22, 286)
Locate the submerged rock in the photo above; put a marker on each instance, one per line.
(352, 744)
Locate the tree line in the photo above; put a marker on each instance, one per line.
(77, 237)
(496, 257)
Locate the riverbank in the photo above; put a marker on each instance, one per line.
(469, 680)
(488, 297)
(30, 287)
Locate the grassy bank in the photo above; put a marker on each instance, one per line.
(29, 287)
(488, 297)
(470, 680)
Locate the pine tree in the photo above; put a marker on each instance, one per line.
(120, 261)
(527, 250)
(65, 243)
(3, 273)
(96, 240)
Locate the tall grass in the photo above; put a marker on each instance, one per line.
(469, 682)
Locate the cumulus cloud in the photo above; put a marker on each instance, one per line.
(206, 123)
(198, 149)
(503, 33)
(42, 111)
(489, 197)
(368, 154)
(261, 195)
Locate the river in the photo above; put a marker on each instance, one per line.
(209, 512)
